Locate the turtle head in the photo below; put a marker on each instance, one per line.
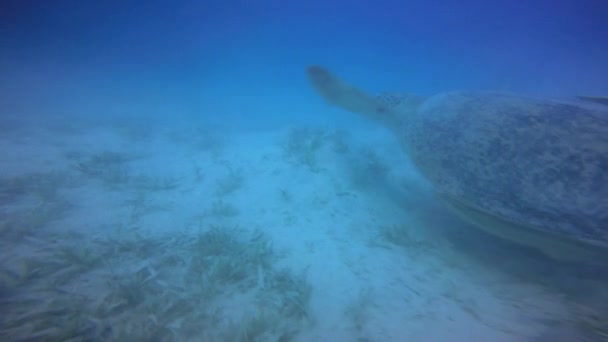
(348, 97)
(597, 99)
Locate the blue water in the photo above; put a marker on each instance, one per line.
(154, 56)
(139, 129)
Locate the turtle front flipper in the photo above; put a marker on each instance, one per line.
(553, 245)
(348, 97)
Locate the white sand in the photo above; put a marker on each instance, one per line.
(327, 223)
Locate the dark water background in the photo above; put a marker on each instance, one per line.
(245, 59)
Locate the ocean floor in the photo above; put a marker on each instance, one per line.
(307, 233)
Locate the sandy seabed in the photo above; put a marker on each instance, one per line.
(199, 233)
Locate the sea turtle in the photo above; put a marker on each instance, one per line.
(528, 170)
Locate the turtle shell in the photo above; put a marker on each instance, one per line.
(539, 164)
